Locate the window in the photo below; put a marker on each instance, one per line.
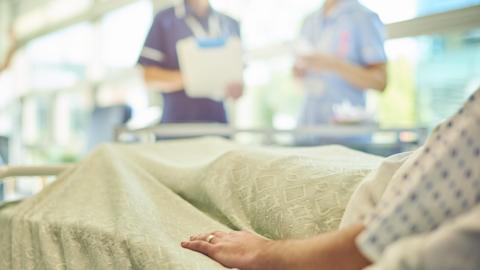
(40, 14)
(428, 7)
(394, 11)
(58, 60)
(122, 34)
(448, 71)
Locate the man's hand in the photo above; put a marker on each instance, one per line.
(241, 250)
(234, 90)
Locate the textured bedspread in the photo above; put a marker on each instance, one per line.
(129, 206)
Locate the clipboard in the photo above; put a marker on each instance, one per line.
(208, 65)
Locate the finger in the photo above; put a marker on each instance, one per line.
(204, 236)
(199, 237)
(198, 246)
(218, 237)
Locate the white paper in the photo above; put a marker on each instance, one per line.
(208, 71)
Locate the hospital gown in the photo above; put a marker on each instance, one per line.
(429, 216)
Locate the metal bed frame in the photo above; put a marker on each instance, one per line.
(30, 171)
(151, 134)
(42, 172)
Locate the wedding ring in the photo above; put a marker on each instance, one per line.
(210, 238)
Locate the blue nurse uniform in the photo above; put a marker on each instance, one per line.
(352, 33)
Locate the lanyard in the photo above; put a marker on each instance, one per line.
(214, 29)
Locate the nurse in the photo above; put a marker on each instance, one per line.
(343, 56)
(159, 59)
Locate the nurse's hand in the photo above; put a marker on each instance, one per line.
(241, 250)
(299, 70)
(319, 62)
(234, 90)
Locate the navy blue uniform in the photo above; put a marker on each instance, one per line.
(168, 28)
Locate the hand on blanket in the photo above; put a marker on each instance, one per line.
(242, 250)
(247, 251)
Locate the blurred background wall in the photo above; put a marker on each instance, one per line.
(78, 55)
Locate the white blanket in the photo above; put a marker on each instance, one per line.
(129, 206)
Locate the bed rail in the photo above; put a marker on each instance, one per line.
(31, 171)
(149, 134)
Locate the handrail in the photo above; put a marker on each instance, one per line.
(19, 171)
(188, 130)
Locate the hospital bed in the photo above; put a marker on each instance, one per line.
(34, 173)
(127, 206)
(206, 129)
(31, 171)
(392, 140)
(401, 140)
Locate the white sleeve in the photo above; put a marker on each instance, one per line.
(370, 191)
(453, 246)
(440, 184)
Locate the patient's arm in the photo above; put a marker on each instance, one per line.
(246, 251)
